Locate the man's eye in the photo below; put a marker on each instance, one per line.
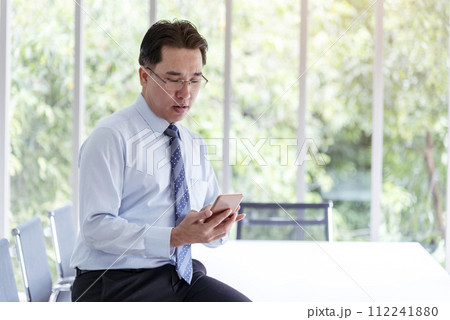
(171, 80)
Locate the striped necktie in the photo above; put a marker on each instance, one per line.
(182, 203)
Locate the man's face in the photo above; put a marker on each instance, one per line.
(176, 64)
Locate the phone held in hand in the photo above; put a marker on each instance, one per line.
(227, 201)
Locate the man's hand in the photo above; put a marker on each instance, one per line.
(203, 226)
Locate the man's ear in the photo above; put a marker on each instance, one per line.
(143, 76)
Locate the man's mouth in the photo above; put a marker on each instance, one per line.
(181, 108)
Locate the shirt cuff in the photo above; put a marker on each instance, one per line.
(157, 242)
(172, 252)
(218, 242)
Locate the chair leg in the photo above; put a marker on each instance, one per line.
(54, 296)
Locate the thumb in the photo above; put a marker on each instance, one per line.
(191, 215)
(206, 212)
(207, 207)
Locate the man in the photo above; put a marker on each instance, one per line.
(146, 187)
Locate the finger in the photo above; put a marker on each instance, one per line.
(207, 207)
(206, 213)
(218, 218)
(225, 227)
(240, 217)
(190, 216)
(235, 217)
(218, 236)
(228, 221)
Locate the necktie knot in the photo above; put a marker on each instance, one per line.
(172, 131)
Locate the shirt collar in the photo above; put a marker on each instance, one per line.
(156, 124)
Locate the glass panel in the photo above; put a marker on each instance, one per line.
(206, 117)
(42, 46)
(265, 99)
(113, 35)
(339, 120)
(41, 106)
(415, 122)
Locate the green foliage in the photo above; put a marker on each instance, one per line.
(112, 42)
(41, 101)
(265, 99)
(206, 117)
(416, 102)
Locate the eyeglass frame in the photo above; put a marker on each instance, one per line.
(189, 82)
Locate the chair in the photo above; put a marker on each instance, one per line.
(33, 260)
(63, 238)
(8, 287)
(296, 218)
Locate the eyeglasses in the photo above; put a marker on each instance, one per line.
(175, 85)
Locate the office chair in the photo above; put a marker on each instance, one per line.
(298, 216)
(63, 233)
(33, 260)
(8, 287)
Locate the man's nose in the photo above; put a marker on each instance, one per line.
(185, 91)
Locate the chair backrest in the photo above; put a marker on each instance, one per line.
(8, 287)
(295, 217)
(63, 237)
(30, 246)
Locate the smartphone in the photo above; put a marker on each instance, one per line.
(227, 201)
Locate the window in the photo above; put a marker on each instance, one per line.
(264, 117)
(206, 117)
(265, 101)
(113, 35)
(41, 106)
(415, 122)
(340, 57)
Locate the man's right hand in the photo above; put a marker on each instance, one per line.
(203, 227)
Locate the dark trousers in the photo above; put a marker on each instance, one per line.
(159, 284)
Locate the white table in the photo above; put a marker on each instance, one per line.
(327, 271)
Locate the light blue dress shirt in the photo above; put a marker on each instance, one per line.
(127, 209)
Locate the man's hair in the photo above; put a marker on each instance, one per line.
(178, 34)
